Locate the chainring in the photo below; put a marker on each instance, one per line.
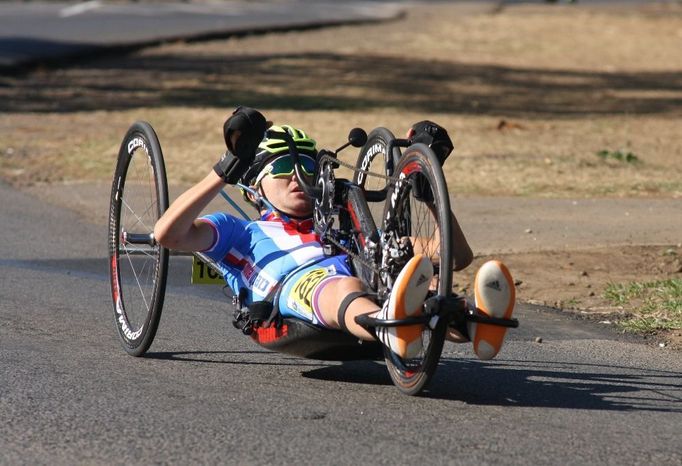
(324, 207)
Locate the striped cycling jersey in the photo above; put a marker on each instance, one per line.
(257, 255)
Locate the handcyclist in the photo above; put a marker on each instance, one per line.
(279, 257)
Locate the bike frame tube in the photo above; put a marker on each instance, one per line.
(208, 261)
(360, 215)
(438, 307)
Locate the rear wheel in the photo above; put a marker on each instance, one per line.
(418, 207)
(138, 265)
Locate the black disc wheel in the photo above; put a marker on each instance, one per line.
(418, 207)
(138, 265)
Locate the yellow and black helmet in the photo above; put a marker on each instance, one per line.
(273, 146)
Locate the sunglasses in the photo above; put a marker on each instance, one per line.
(283, 166)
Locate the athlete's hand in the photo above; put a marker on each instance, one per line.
(243, 131)
(434, 136)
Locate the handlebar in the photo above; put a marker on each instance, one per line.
(397, 143)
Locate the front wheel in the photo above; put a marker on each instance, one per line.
(138, 265)
(374, 158)
(418, 207)
(374, 165)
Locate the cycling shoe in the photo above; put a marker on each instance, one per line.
(406, 300)
(494, 295)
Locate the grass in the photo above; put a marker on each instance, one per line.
(618, 155)
(655, 305)
(527, 104)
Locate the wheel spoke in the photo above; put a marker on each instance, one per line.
(139, 219)
(139, 286)
(139, 196)
(421, 219)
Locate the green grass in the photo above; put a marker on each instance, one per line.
(653, 305)
(621, 156)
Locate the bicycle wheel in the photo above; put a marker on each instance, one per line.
(418, 206)
(138, 266)
(374, 158)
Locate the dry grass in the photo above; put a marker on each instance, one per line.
(527, 161)
(567, 83)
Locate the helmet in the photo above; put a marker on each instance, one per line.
(271, 147)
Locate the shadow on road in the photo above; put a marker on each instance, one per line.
(328, 81)
(227, 357)
(534, 384)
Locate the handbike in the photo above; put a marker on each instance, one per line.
(415, 216)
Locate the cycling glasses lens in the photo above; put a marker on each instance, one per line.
(284, 166)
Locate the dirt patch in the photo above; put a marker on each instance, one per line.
(531, 95)
(576, 280)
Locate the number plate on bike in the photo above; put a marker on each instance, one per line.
(203, 274)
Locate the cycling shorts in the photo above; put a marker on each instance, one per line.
(301, 292)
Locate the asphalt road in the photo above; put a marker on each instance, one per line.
(38, 32)
(53, 32)
(205, 394)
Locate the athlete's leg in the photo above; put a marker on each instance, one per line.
(331, 297)
(406, 300)
(494, 290)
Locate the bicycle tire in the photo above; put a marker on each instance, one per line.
(413, 211)
(373, 157)
(138, 272)
(376, 145)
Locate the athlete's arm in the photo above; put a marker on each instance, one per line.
(436, 137)
(462, 255)
(178, 227)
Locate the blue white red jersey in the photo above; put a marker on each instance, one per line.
(257, 255)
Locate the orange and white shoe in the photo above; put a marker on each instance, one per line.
(406, 300)
(494, 295)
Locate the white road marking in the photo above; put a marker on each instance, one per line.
(79, 8)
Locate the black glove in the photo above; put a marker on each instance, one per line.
(435, 136)
(236, 160)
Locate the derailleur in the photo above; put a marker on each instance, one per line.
(395, 253)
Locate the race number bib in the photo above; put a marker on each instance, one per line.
(301, 298)
(202, 274)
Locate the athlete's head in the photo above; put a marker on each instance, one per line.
(272, 172)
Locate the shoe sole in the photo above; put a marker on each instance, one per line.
(410, 290)
(494, 295)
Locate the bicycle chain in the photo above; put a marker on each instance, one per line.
(391, 179)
